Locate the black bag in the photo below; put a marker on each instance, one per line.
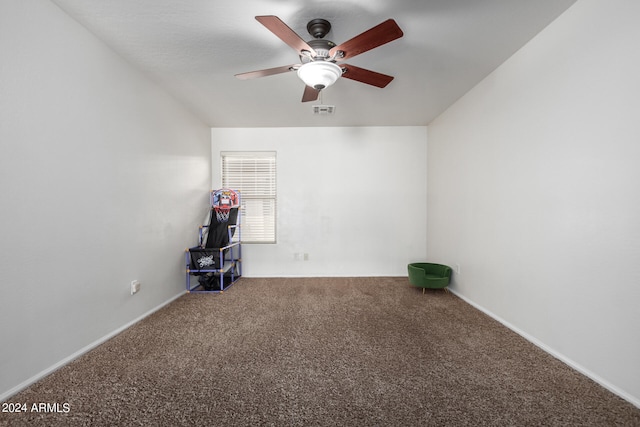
(210, 282)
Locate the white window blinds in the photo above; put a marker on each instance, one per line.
(253, 174)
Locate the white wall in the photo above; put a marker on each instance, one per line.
(354, 199)
(103, 180)
(533, 190)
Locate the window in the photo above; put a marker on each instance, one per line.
(253, 174)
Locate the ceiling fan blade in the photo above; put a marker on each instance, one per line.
(286, 34)
(266, 72)
(365, 76)
(372, 38)
(310, 94)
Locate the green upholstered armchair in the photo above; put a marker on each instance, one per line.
(428, 275)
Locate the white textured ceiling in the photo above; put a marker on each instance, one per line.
(193, 48)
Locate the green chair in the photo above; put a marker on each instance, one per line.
(428, 275)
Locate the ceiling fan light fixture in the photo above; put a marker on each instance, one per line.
(319, 74)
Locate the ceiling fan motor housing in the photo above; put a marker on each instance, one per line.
(321, 47)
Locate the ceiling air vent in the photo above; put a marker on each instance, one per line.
(324, 110)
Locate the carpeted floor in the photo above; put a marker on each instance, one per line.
(320, 352)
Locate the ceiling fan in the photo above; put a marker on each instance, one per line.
(318, 66)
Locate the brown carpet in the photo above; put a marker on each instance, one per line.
(320, 351)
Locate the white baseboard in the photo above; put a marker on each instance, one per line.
(612, 388)
(51, 369)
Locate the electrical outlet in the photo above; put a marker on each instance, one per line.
(135, 286)
(458, 268)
